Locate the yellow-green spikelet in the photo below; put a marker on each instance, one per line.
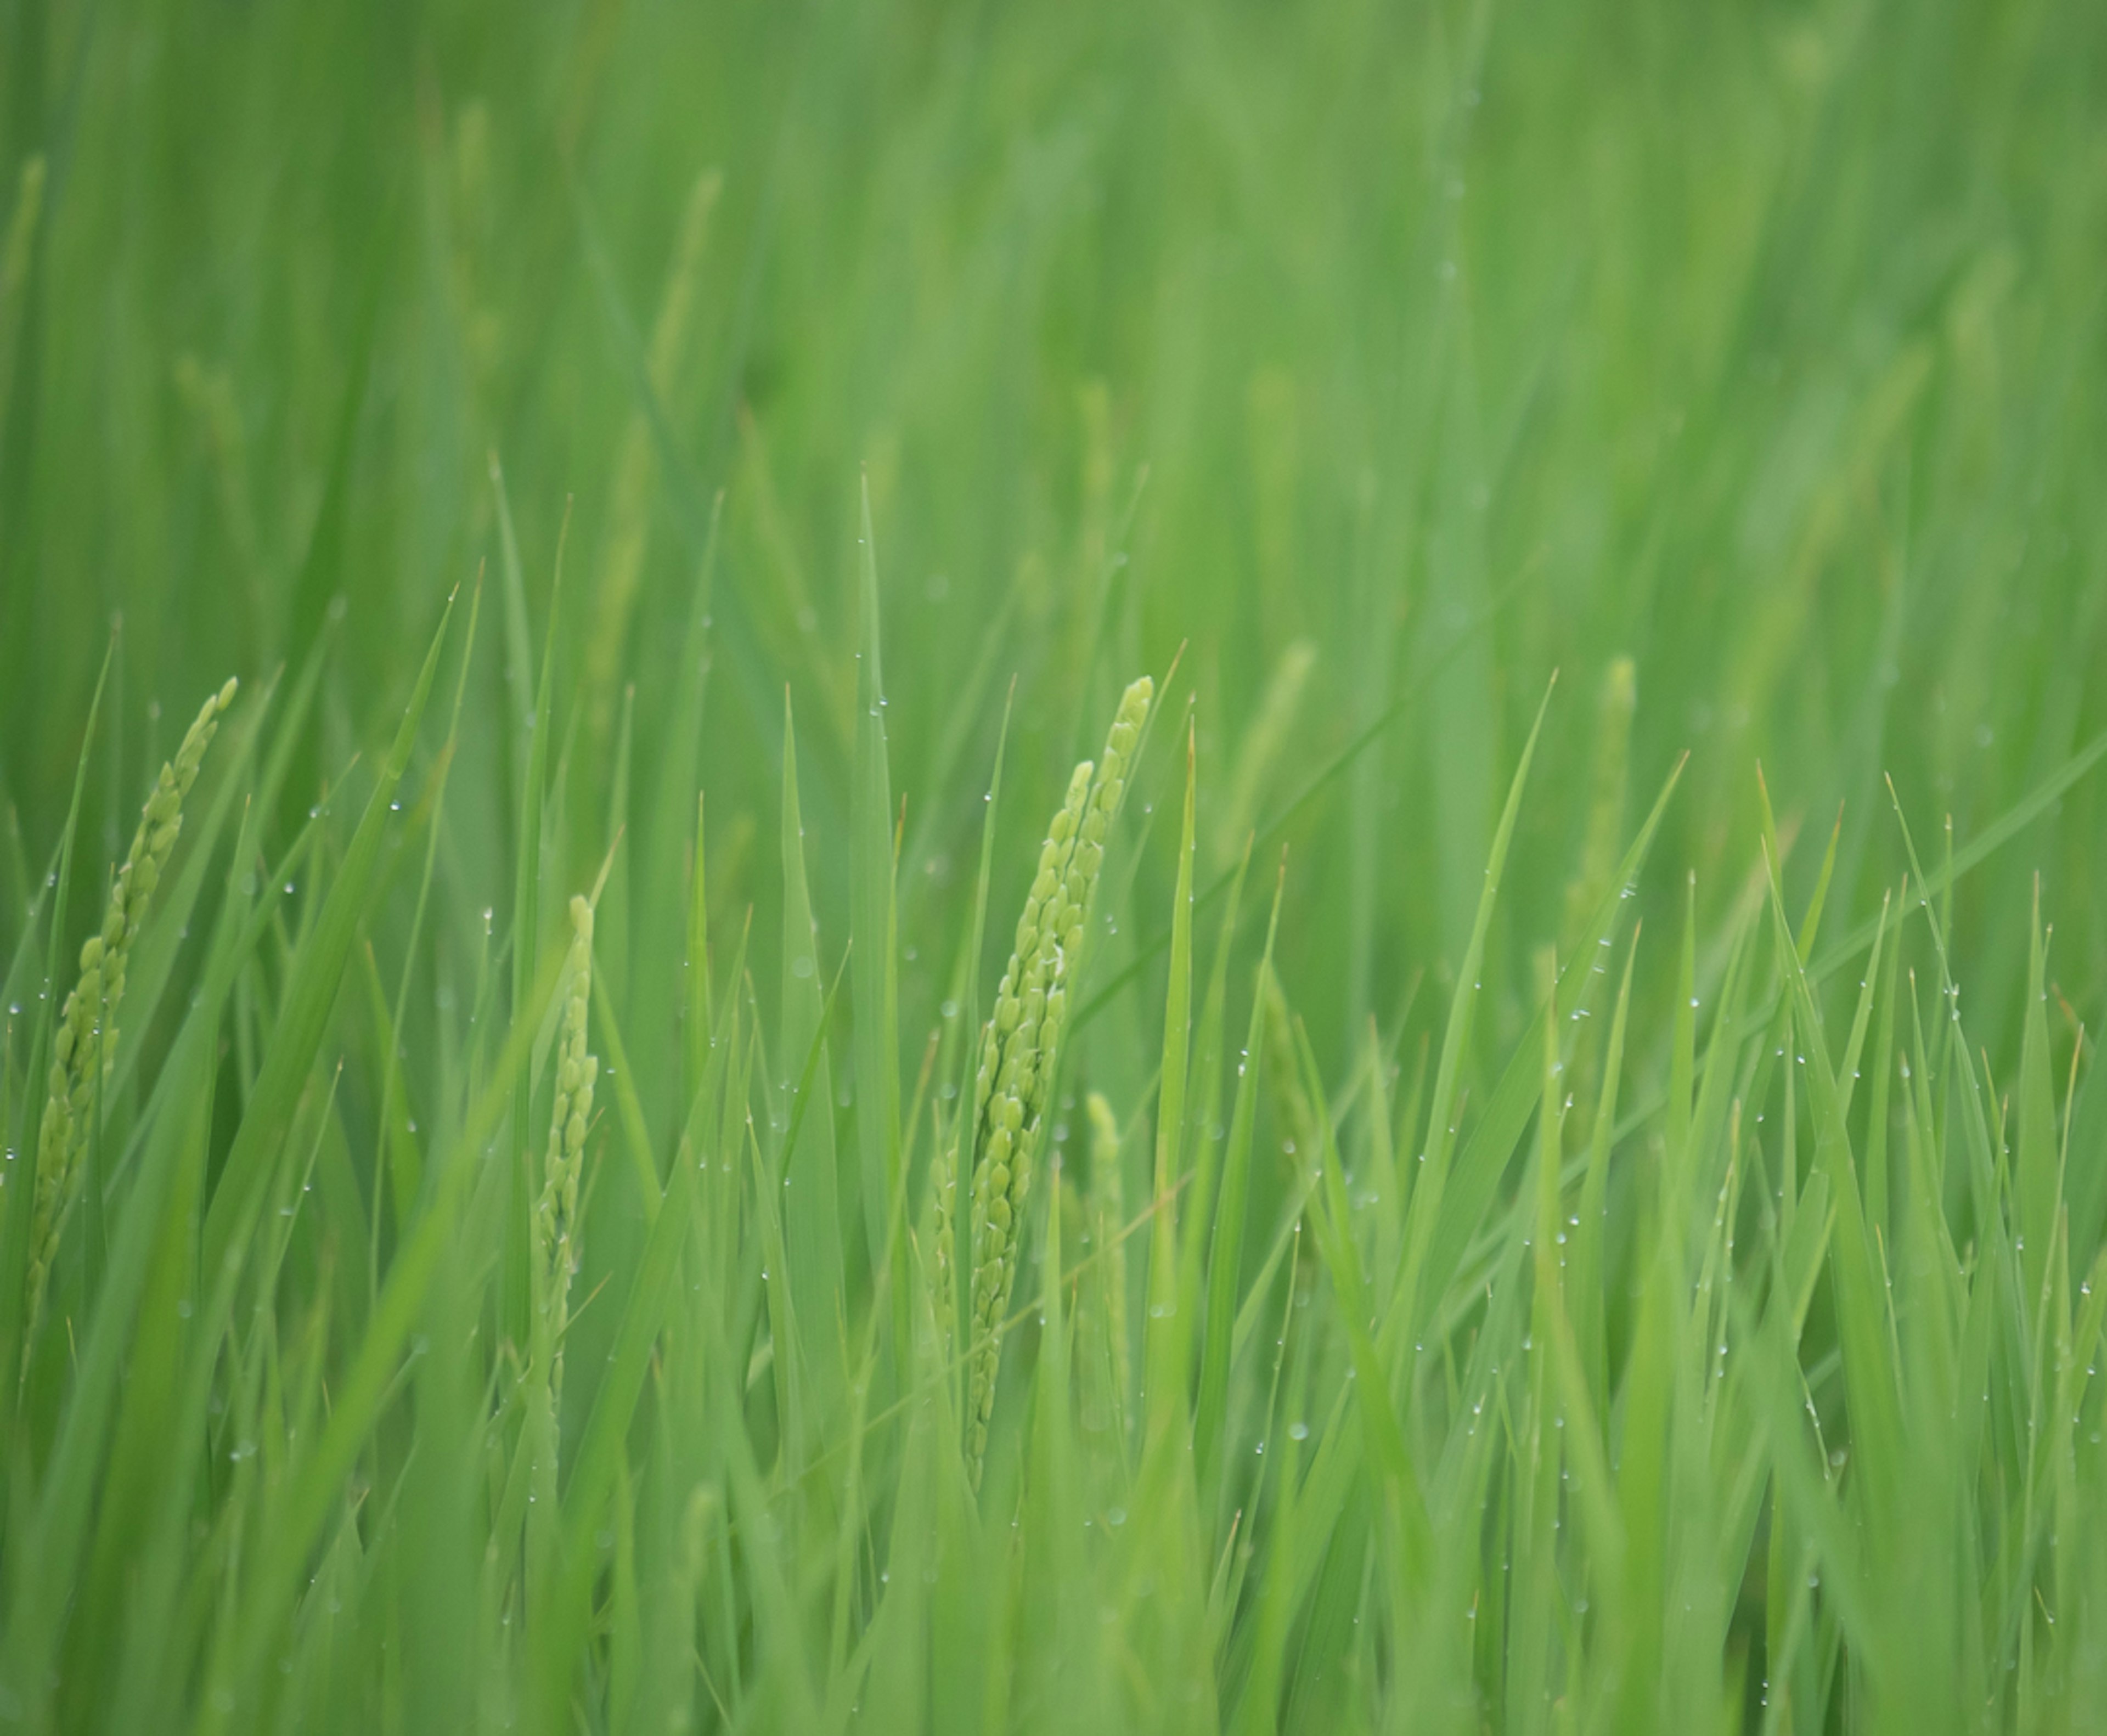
(85, 1045)
(1022, 1043)
(942, 1175)
(555, 1213)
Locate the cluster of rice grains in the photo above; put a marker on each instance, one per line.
(556, 1213)
(1018, 1051)
(85, 1046)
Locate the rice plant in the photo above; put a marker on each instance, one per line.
(1100, 868)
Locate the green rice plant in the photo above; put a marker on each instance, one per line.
(556, 1220)
(84, 1047)
(1615, 1246)
(1021, 1050)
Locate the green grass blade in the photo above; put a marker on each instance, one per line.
(1163, 1369)
(875, 943)
(1485, 1159)
(1431, 1179)
(304, 1015)
(1225, 1252)
(810, 1186)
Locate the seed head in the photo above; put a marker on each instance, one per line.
(555, 1213)
(1021, 1045)
(85, 1046)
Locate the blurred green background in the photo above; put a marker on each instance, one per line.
(1373, 352)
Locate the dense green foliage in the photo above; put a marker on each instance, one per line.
(1508, 1217)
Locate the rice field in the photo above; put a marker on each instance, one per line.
(1166, 866)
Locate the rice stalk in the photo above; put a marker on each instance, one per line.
(1022, 1044)
(1111, 1375)
(85, 1045)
